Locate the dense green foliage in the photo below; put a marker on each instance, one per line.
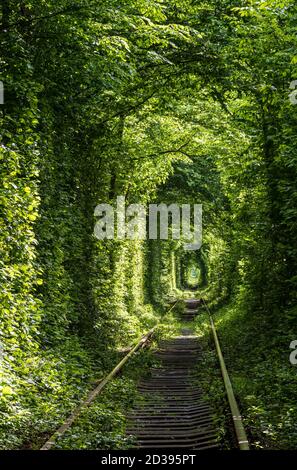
(175, 101)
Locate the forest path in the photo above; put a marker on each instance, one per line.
(172, 411)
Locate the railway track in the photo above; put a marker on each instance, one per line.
(191, 309)
(172, 412)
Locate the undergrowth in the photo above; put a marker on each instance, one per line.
(103, 425)
(263, 379)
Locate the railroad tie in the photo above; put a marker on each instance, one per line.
(172, 411)
(190, 310)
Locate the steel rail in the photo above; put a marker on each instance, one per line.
(93, 394)
(241, 436)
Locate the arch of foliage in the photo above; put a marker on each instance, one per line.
(155, 100)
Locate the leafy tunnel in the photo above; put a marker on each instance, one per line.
(173, 102)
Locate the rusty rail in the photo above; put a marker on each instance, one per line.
(241, 436)
(93, 394)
